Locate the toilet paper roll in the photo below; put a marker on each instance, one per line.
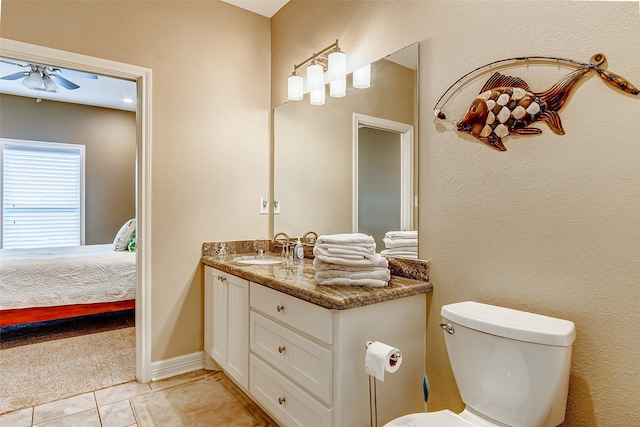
(381, 358)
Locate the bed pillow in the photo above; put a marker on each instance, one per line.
(121, 242)
(132, 242)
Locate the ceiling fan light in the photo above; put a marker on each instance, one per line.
(295, 87)
(33, 80)
(49, 84)
(362, 77)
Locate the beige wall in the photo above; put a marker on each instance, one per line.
(109, 137)
(549, 226)
(210, 129)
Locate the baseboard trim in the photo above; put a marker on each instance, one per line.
(177, 365)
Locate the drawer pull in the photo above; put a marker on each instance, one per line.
(281, 400)
(281, 349)
(222, 278)
(280, 308)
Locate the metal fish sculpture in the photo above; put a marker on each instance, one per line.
(506, 105)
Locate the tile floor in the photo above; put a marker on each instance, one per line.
(108, 407)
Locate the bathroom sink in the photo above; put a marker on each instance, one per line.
(257, 260)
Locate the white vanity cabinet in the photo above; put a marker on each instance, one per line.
(226, 323)
(307, 362)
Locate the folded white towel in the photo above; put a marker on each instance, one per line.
(345, 239)
(361, 247)
(378, 274)
(401, 234)
(399, 254)
(343, 253)
(341, 281)
(323, 266)
(402, 249)
(395, 243)
(377, 261)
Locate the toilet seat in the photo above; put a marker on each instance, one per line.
(444, 418)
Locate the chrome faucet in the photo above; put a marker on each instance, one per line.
(310, 240)
(275, 238)
(284, 242)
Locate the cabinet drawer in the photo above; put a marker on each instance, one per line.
(288, 403)
(307, 363)
(302, 315)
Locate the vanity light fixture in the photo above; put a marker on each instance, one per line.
(362, 77)
(337, 74)
(332, 59)
(295, 85)
(315, 81)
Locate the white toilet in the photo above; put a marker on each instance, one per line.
(511, 368)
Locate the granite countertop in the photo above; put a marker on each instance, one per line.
(298, 280)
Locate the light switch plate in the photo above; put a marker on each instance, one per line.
(264, 206)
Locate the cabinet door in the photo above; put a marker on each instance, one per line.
(237, 363)
(215, 315)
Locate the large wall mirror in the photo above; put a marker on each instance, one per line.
(348, 165)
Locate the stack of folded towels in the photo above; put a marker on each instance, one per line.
(401, 244)
(349, 259)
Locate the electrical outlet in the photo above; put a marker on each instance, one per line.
(276, 207)
(264, 206)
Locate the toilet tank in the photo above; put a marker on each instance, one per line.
(510, 366)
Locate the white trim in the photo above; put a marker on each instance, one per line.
(33, 53)
(177, 365)
(406, 167)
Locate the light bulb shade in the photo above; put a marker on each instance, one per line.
(33, 80)
(295, 87)
(337, 66)
(362, 77)
(315, 78)
(49, 84)
(317, 96)
(338, 87)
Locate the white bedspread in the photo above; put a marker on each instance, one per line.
(64, 276)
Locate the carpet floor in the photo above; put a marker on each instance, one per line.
(212, 400)
(34, 374)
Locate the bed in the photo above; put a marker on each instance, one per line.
(55, 283)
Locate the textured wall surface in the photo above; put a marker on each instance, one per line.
(551, 225)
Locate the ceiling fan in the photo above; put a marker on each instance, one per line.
(41, 77)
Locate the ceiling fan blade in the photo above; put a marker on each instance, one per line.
(13, 63)
(76, 73)
(64, 82)
(15, 76)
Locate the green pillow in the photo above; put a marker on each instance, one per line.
(132, 242)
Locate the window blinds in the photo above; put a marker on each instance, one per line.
(42, 202)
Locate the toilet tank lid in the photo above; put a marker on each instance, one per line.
(509, 323)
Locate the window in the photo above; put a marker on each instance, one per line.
(42, 194)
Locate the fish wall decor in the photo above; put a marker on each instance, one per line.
(507, 106)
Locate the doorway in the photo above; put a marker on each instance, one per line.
(142, 77)
(382, 176)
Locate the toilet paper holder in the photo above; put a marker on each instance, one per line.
(373, 403)
(394, 357)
